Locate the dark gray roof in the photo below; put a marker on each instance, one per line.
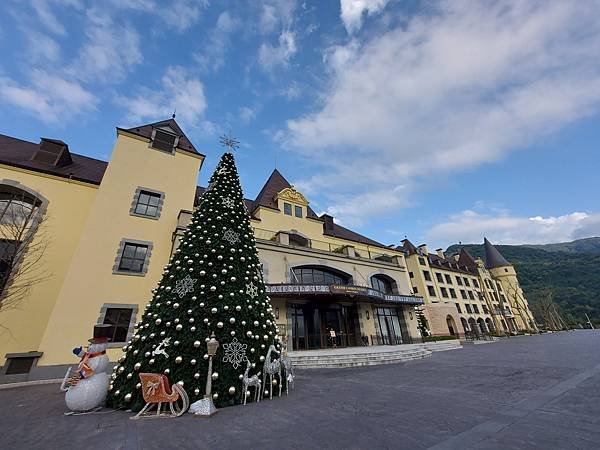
(493, 258)
(18, 153)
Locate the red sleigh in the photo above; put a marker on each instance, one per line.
(156, 391)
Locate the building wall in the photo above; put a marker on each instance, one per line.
(69, 202)
(90, 281)
(510, 288)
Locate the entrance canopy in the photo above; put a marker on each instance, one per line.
(342, 290)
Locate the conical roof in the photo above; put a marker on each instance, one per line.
(465, 259)
(493, 258)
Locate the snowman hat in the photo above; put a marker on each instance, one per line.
(102, 333)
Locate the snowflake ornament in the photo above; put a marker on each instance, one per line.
(235, 353)
(228, 202)
(222, 171)
(252, 290)
(231, 236)
(184, 286)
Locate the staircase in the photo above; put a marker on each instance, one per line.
(367, 356)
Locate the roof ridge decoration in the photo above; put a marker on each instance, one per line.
(493, 258)
(291, 194)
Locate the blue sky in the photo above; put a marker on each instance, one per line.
(441, 121)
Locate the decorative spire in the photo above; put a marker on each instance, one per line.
(493, 258)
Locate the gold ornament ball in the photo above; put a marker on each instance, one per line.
(128, 398)
(231, 390)
(274, 382)
(178, 360)
(137, 366)
(196, 391)
(215, 375)
(215, 396)
(129, 375)
(138, 386)
(197, 344)
(166, 371)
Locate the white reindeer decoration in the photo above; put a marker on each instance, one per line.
(271, 368)
(160, 348)
(286, 363)
(253, 381)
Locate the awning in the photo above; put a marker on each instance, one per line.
(352, 291)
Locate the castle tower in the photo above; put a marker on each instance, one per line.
(509, 291)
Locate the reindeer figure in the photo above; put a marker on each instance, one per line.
(271, 368)
(160, 349)
(253, 381)
(286, 363)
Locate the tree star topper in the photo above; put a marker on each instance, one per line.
(230, 142)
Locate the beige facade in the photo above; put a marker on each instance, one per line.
(464, 297)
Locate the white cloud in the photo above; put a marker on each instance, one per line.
(464, 85)
(178, 91)
(42, 47)
(471, 226)
(45, 14)
(271, 57)
(182, 14)
(49, 98)
(246, 114)
(109, 51)
(352, 12)
(212, 55)
(276, 14)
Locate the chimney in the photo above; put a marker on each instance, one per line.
(423, 249)
(440, 253)
(327, 222)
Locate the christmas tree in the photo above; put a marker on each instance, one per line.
(212, 284)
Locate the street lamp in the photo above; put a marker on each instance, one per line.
(205, 407)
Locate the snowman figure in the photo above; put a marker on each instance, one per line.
(87, 387)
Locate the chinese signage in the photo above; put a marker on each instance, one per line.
(297, 288)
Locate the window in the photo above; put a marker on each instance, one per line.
(134, 257)
(468, 308)
(298, 240)
(120, 320)
(411, 275)
(471, 295)
(463, 294)
(439, 277)
(298, 211)
(458, 308)
(485, 309)
(287, 209)
(448, 278)
(452, 293)
(475, 309)
(422, 261)
(318, 275)
(383, 283)
(444, 292)
(466, 281)
(459, 281)
(427, 275)
(499, 286)
(415, 290)
(503, 297)
(431, 291)
(165, 141)
(476, 284)
(17, 207)
(147, 203)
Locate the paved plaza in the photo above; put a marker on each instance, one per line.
(529, 392)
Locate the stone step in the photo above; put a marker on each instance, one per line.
(380, 355)
(328, 361)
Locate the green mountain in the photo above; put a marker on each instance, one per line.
(570, 269)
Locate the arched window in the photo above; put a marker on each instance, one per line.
(384, 284)
(20, 213)
(319, 275)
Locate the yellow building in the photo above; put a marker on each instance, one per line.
(464, 296)
(110, 228)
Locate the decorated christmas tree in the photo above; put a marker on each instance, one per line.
(212, 285)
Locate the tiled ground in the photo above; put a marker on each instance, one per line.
(532, 392)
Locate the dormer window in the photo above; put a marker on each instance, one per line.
(164, 140)
(298, 211)
(287, 209)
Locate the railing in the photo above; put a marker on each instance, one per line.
(361, 250)
(474, 336)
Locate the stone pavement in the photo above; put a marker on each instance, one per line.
(530, 392)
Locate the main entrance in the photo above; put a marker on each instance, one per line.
(318, 325)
